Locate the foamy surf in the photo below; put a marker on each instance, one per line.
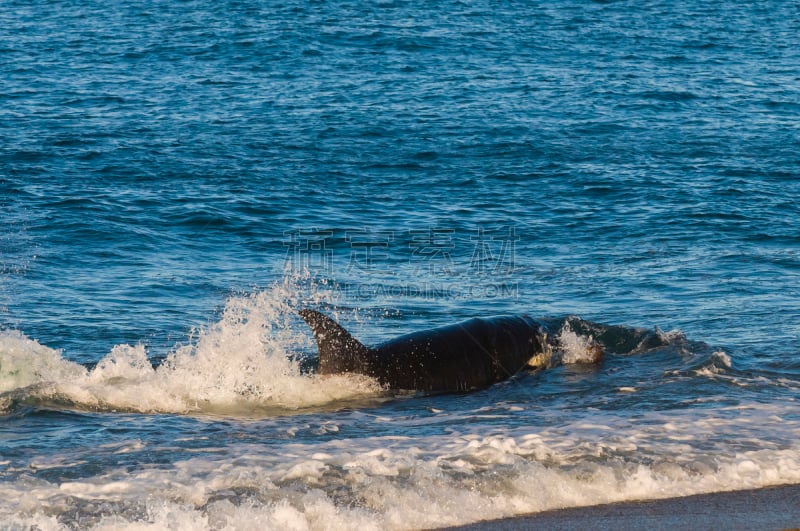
(242, 364)
(414, 483)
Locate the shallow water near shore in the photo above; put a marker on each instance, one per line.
(178, 180)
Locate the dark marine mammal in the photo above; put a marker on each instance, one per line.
(468, 355)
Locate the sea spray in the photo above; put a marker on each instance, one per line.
(242, 363)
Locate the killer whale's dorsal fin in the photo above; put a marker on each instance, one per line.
(338, 350)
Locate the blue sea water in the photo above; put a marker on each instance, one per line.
(178, 178)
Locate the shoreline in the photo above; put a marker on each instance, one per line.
(773, 508)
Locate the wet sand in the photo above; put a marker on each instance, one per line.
(769, 508)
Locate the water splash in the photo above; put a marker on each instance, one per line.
(575, 348)
(244, 363)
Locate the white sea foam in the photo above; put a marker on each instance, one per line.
(412, 483)
(24, 362)
(241, 363)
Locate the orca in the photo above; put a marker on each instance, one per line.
(469, 355)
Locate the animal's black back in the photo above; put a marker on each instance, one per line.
(468, 355)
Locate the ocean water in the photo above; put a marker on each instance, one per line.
(179, 178)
